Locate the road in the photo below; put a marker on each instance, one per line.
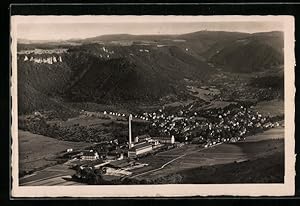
(154, 170)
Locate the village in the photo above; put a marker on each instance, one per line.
(208, 128)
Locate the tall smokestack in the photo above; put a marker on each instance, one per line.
(129, 129)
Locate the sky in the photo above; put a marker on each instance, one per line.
(58, 29)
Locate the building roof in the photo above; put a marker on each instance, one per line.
(144, 136)
(88, 153)
(140, 146)
(162, 138)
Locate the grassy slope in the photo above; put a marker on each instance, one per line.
(265, 164)
(36, 151)
(268, 169)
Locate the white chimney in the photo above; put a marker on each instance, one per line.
(129, 129)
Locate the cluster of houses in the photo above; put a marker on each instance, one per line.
(209, 127)
(107, 54)
(40, 60)
(118, 114)
(212, 126)
(100, 114)
(115, 114)
(93, 155)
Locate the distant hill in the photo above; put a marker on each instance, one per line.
(114, 37)
(256, 52)
(129, 75)
(147, 69)
(132, 75)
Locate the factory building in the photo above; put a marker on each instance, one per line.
(165, 140)
(139, 149)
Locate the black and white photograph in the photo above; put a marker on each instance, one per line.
(123, 106)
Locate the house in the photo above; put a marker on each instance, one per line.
(165, 140)
(153, 142)
(70, 150)
(38, 114)
(89, 155)
(142, 138)
(139, 149)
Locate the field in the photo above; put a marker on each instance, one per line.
(159, 159)
(274, 133)
(269, 169)
(85, 121)
(100, 120)
(37, 151)
(55, 175)
(270, 108)
(205, 94)
(190, 157)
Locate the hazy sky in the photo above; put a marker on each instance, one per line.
(61, 30)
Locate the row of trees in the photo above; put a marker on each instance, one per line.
(105, 132)
(68, 133)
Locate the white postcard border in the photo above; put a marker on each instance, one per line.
(169, 190)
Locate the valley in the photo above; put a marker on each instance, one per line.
(217, 93)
